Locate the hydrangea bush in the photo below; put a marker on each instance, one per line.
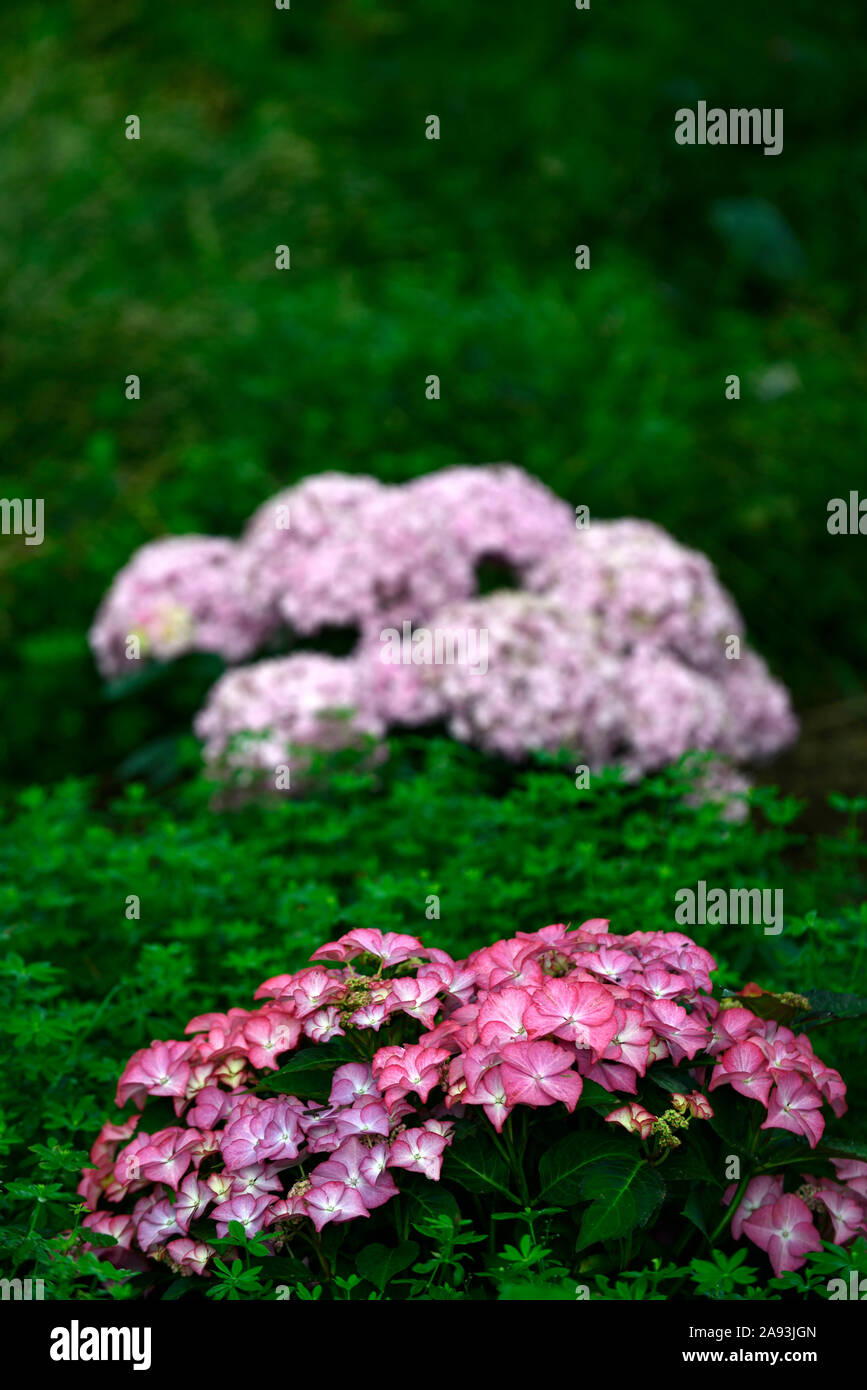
(584, 1080)
(616, 643)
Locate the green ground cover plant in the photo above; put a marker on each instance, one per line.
(125, 916)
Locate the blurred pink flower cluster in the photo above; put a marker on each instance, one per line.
(526, 1022)
(619, 644)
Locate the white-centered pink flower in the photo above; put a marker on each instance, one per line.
(540, 1073)
(785, 1230)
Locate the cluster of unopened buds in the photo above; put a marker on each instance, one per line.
(618, 643)
(640, 1121)
(526, 1022)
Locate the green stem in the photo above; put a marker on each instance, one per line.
(689, 1230)
(515, 1163)
(730, 1209)
(326, 1269)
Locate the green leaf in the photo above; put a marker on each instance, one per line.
(478, 1167)
(688, 1166)
(594, 1097)
(176, 1289)
(158, 1113)
(625, 1193)
(694, 1212)
(428, 1200)
(841, 1148)
(825, 1006)
(670, 1079)
(767, 1006)
(97, 1238)
(731, 1118)
(759, 237)
(536, 1293)
(279, 1267)
(562, 1168)
(693, 1161)
(309, 1073)
(379, 1263)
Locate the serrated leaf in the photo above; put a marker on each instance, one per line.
(595, 1097)
(562, 1168)
(693, 1211)
(841, 1148)
(669, 1079)
(379, 1263)
(428, 1200)
(767, 1006)
(478, 1167)
(308, 1074)
(625, 1193)
(826, 1006)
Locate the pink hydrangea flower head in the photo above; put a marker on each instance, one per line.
(785, 1231)
(759, 1192)
(420, 1151)
(526, 1021)
(796, 1105)
(744, 1067)
(392, 948)
(177, 595)
(189, 1256)
(334, 1201)
(540, 1073)
(159, 1070)
(269, 715)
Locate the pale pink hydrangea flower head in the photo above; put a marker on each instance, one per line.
(616, 649)
(257, 717)
(177, 595)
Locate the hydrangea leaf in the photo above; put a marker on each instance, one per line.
(380, 1263)
(478, 1167)
(562, 1168)
(625, 1193)
(308, 1073)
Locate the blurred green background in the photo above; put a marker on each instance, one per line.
(307, 127)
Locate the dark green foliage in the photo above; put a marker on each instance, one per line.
(410, 256)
